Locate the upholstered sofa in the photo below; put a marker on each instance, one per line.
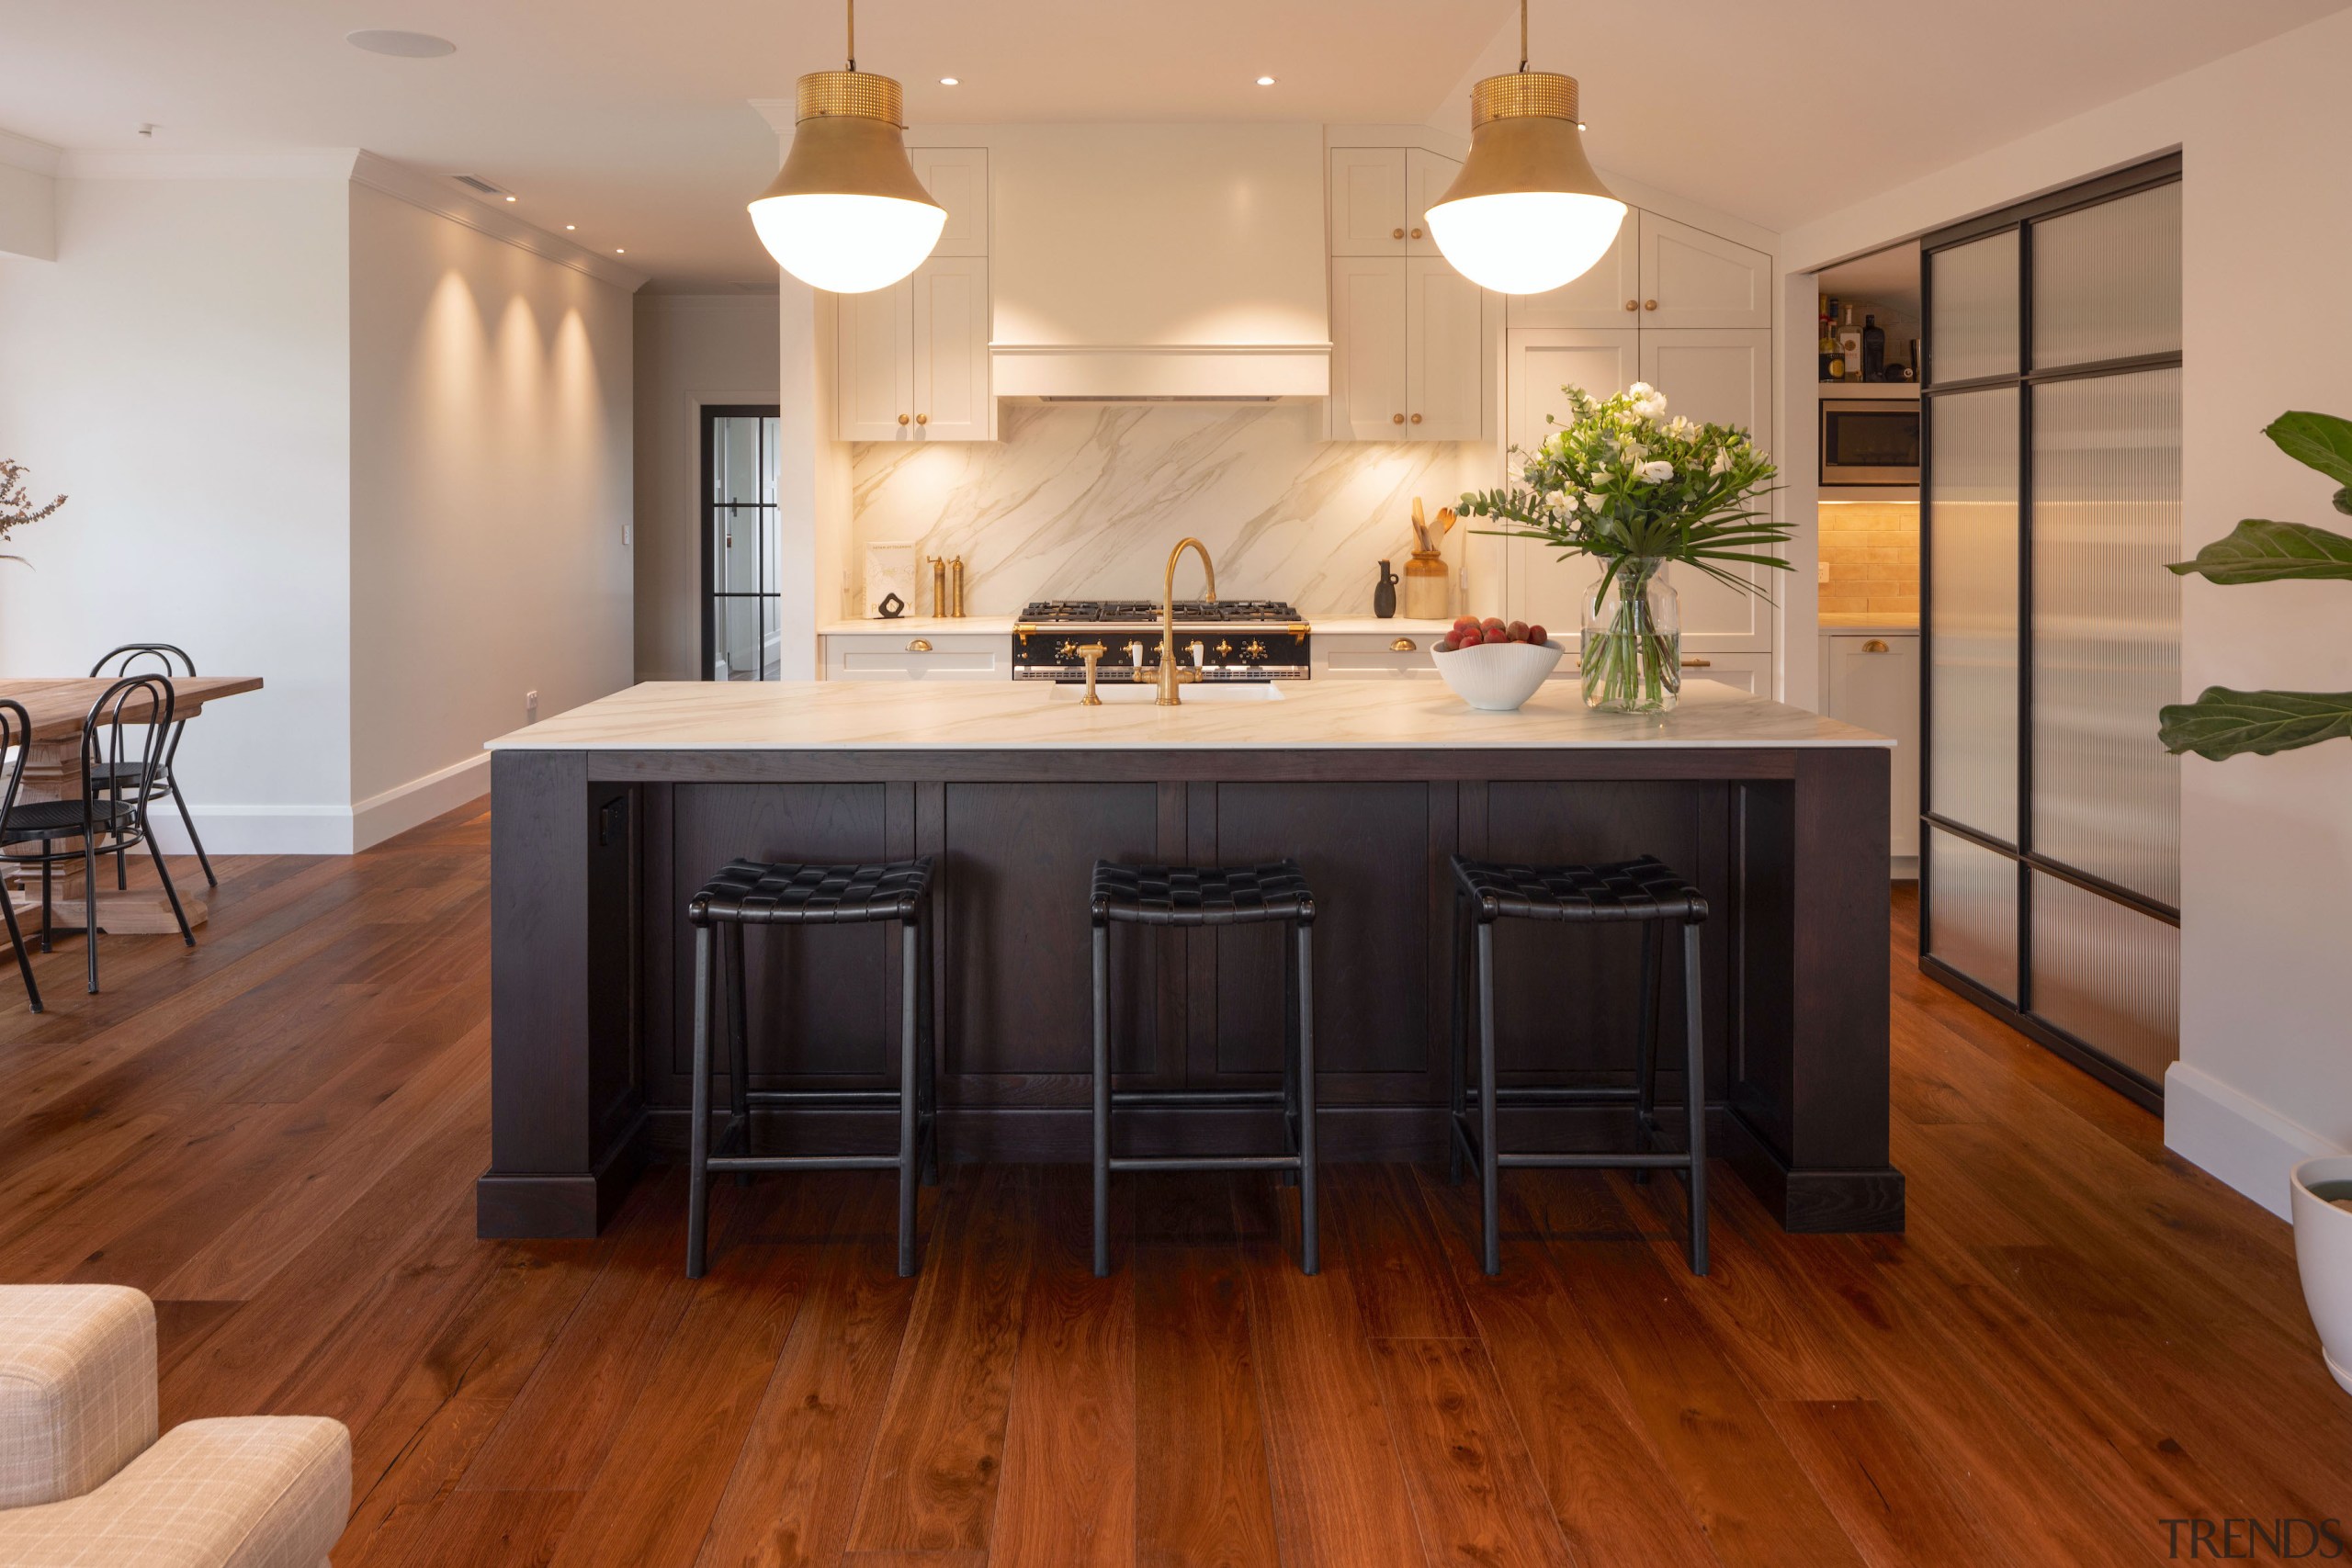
(86, 1483)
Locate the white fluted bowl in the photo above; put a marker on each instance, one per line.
(2323, 1259)
(1497, 677)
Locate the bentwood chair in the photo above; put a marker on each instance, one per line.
(158, 658)
(122, 743)
(16, 737)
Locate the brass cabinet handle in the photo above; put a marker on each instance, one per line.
(902, 419)
(1404, 645)
(1874, 646)
(1417, 233)
(1396, 419)
(1397, 233)
(921, 645)
(1417, 418)
(1632, 304)
(923, 419)
(1698, 664)
(1649, 304)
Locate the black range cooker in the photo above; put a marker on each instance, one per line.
(1241, 639)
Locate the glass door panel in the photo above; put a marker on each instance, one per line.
(741, 620)
(1973, 611)
(2107, 281)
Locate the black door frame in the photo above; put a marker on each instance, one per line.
(706, 518)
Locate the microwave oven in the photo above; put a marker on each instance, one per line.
(1870, 441)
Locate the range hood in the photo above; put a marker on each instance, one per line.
(1150, 262)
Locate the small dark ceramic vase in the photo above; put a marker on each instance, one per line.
(1383, 598)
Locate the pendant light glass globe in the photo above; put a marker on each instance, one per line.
(1527, 213)
(846, 212)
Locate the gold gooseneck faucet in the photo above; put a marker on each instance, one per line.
(1171, 675)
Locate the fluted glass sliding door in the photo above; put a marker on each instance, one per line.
(2050, 877)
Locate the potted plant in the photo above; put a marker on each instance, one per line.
(16, 507)
(2224, 723)
(1640, 492)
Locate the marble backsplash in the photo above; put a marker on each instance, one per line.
(1085, 499)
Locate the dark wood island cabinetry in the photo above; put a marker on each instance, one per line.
(605, 819)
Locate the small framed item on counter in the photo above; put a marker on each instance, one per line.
(889, 574)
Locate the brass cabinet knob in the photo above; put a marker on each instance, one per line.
(921, 645)
(1417, 418)
(1649, 304)
(1404, 645)
(1874, 646)
(902, 419)
(1632, 304)
(1396, 419)
(1698, 664)
(1397, 233)
(1417, 233)
(923, 419)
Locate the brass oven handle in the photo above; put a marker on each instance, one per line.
(921, 645)
(1404, 645)
(1698, 664)
(1874, 646)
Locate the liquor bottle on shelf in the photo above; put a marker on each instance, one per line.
(1833, 362)
(1850, 346)
(1874, 350)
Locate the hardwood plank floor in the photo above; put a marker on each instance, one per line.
(276, 1136)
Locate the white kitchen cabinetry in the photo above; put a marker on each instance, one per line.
(1608, 295)
(927, 656)
(1368, 310)
(1413, 342)
(914, 357)
(1872, 680)
(1380, 199)
(1692, 278)
(1374, 656)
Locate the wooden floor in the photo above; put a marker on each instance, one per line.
(277, 1136)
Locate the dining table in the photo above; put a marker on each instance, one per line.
(58, 709)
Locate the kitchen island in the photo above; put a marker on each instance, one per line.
(606, 818)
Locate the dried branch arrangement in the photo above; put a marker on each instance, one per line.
(15, 505)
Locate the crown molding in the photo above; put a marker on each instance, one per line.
(404, 182)
(782, 114)
(24, 152)
(323, 163)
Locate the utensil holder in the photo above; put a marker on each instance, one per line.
(1426, 589)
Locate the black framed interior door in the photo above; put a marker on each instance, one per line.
(741, 593)
(2050, 870)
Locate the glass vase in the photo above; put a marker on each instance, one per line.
(1632, 651)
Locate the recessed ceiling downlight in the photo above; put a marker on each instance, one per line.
(404, 46)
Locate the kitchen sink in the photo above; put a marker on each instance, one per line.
(1203, 691)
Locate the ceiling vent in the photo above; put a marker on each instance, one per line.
(480, 186)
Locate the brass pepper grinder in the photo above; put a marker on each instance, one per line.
(938, 584)
(955, 587)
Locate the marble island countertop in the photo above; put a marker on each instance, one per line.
(940, 715)
(1001, 626)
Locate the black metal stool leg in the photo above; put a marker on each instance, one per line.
(1309, 1260)
(17, 942)
(1645, 1044)
(1102, 1101)
(909, 1091)
(1458, 1105)
(733, 972)
(698, 1129)
(927, 1049)
(1290, 1064)
(1489, 1155)
(1694, 1093)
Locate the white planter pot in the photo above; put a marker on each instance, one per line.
(1498, 676)
(2323, 1257)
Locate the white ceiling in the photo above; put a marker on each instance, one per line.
(632, 119)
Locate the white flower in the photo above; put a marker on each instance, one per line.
(1678, 427)
(1639, 390)
(1653, 473)
(1601, 475)
(1558, 499)
(1594, 503)
(1722, 465)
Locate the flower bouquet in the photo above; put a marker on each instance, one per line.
(1621, 482)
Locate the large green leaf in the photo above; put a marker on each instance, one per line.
(2319, 441)
(2258, 550)
(2222, 723)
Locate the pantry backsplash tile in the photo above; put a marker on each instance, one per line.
(1084, 501)
(1870, 557)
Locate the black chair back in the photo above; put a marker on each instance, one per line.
(15, 745)
(151, 658)
(130, 722)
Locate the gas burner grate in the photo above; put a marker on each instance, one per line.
(1144, 612)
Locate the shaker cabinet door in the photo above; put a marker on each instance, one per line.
(874, 386)
(1427, 175)
(1368, 390)
(1722, 377)
(1692, 278)
(1367, 194)
(1446, 362)
(951, 358)
(1603, 297)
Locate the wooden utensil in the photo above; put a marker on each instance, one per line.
(1420, 524)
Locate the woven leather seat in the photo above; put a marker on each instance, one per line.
(1644, 889)
(1201, 896)
(753, 894)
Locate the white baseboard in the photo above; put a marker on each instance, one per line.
(323, 829)
(397, 809)
(2236, 1137)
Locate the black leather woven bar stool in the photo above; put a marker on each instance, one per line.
(1645, 891)
(1211, 896)
(746, 893)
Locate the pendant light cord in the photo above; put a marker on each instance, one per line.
(1522, 34)
(852, 33)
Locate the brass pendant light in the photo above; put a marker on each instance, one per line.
(846, 212)
(1527, 213)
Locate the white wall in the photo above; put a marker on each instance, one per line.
(691, 350)
(2265, 1074)
(182, 370)
(27, 198)
(490, 482)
